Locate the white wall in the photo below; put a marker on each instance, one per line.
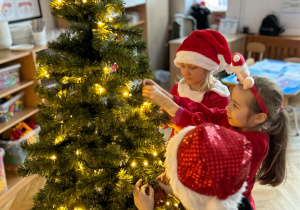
(179, 6)
(252, 12)
(47, 16)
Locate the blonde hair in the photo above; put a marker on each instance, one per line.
(207, 83)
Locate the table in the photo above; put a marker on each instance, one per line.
(236, 43)
(286, 74)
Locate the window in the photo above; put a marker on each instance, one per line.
(216, 5)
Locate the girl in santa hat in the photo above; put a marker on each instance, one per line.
(206, 168)
(197, 57)
(256, 112)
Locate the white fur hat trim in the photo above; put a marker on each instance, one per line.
(194, 58)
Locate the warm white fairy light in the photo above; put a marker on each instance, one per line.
(100, 23)
(154, 154)
(125, 94)
(145, 163)
(160, 162)
(176, 205)
(59, 1)
(168, 203)
(53, 157)
(133, 164)
(145, 103)
(84, 1)
(77, 152)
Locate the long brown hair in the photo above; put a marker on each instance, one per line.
(273, 168)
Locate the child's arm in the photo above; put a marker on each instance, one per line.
(157, 97)
(152, 83)
(201, 114)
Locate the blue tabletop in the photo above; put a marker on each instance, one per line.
(286, 74)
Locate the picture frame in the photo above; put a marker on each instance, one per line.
(228, 25)
(15, 11)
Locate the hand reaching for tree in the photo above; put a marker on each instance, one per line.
(141, 200)
(154, 95)
(163, 99)
(163, 182)
(152, 83)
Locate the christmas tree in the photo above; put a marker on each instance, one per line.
(98, 135)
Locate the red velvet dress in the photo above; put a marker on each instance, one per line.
(193, 113)
(210, 99)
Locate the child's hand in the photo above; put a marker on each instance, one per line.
(151, 83)
(141, 200)
(154, 95)
(163, 182)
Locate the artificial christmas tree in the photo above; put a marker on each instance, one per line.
(98, 136)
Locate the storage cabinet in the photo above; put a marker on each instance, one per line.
(20, 190)
(154, 19)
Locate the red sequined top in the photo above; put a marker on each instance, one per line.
(193, 113)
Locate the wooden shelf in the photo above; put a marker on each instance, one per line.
(19, 117)
(138, 23)
(21, 190)
(12, 89)
(14, 183)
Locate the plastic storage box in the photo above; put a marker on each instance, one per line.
(9, 75)
(14, 154)
(11, 107)
(3, 183)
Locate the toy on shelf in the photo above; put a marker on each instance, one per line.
(9, 106)
(11, 140)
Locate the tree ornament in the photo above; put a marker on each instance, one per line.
(160, 197)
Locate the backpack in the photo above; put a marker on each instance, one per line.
(270, 26)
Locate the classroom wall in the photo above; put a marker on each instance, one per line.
(47, 16)
(251, 14)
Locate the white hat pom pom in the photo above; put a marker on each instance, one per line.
(248, 82)
(236, 58)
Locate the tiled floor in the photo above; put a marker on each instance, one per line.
(287, 195)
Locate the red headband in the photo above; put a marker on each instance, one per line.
(258, 99)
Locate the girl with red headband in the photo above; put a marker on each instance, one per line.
(256, 112)
(197, 57)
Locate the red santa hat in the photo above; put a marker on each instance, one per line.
(238, 61)
(202, 48)
(207, 166)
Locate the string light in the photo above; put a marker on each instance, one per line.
(126, 94)
(133, 164)
(100, 23)
(176, 204)
(78, 208)
(84, 1)
(106, 70)
(154, 154)
(145, 163)
(168, 203)
(145, 103)
(59, 1)
(53, 157)
(77, 152)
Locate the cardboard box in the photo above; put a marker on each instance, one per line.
(216, 17)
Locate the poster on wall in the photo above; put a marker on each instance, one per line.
(15, 11)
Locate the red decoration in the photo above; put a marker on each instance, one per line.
(160, 197)
(114, 67)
